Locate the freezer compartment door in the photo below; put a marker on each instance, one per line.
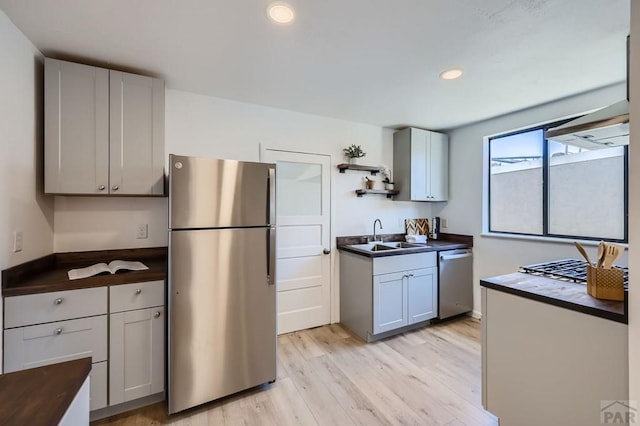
(211, 193)
(222, 314)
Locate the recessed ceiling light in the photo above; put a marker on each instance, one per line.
(280, 13)
(451, 74)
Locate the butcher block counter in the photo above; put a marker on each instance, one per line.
(564, 294)
(49, 273)
(50, 395)
(551, 354)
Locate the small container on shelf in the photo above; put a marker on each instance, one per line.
(369, 183)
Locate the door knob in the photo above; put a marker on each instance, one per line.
(115, 187)
(326, 251)
(101, 188)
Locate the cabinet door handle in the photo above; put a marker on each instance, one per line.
(326, 251)
(411, 275)
(115, 187)
(57, 301)
(138, 291)
(58, 331)
(156, 314)
(101, 188)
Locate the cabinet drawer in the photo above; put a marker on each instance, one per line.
(128, 297)
(38, 345)
(53, 306)
(403, 262)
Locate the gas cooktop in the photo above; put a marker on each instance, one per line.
(572, 270)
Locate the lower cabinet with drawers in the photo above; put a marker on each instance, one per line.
(121, 327)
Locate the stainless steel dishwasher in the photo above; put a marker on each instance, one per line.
(455, 282)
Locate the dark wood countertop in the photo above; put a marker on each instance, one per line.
(41, 396)
(564, 294)
(49, 273)
(445, 242)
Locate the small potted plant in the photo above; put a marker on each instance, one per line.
(388, 181)
(354, 152)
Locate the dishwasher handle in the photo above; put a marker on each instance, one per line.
(454, 256)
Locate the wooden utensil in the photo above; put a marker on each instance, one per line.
(612, 252)
(582, 251)
(601, 251)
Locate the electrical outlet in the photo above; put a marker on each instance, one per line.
(444, 223)
(17, 241)
(143, 231)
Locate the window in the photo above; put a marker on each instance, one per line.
(548, 188)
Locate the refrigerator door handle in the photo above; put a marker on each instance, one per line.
(271, 255)
(271, 197)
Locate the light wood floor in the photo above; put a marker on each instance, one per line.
(326, 376)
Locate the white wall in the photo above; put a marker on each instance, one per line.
(634, 207)
(464, 211)
(23, 207)
(212, 127)
(97, 223)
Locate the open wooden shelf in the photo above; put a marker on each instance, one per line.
(372, 169)
(388, 192)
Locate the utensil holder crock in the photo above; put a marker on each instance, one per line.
(605, 284)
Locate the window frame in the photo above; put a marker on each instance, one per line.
(545, 187)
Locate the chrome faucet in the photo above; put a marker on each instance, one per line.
(374, 229)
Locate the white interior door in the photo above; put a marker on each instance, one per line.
(303, 239)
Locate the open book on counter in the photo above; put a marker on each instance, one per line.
(101, 268)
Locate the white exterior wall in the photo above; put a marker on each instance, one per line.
(593, 177)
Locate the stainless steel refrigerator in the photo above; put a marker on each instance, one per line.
(221, 293)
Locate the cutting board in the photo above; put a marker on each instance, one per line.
(416, 226)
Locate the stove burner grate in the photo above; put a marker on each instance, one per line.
(573, 270)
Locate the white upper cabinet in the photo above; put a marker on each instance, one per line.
(421, 165)
(104, 131)
(76, 128)
(136, 155)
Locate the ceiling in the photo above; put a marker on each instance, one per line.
(370, 61)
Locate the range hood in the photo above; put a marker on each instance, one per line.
(604, 128)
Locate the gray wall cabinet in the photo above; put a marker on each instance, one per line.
(421, 165)
(387, 295)
(104, 131)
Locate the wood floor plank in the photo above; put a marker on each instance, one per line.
(290, 407)
(308, 346)
(353, 362)
(326, 375)
(317, 396)
(359, 408)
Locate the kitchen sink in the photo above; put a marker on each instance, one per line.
(374, 247)
(402, 244)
